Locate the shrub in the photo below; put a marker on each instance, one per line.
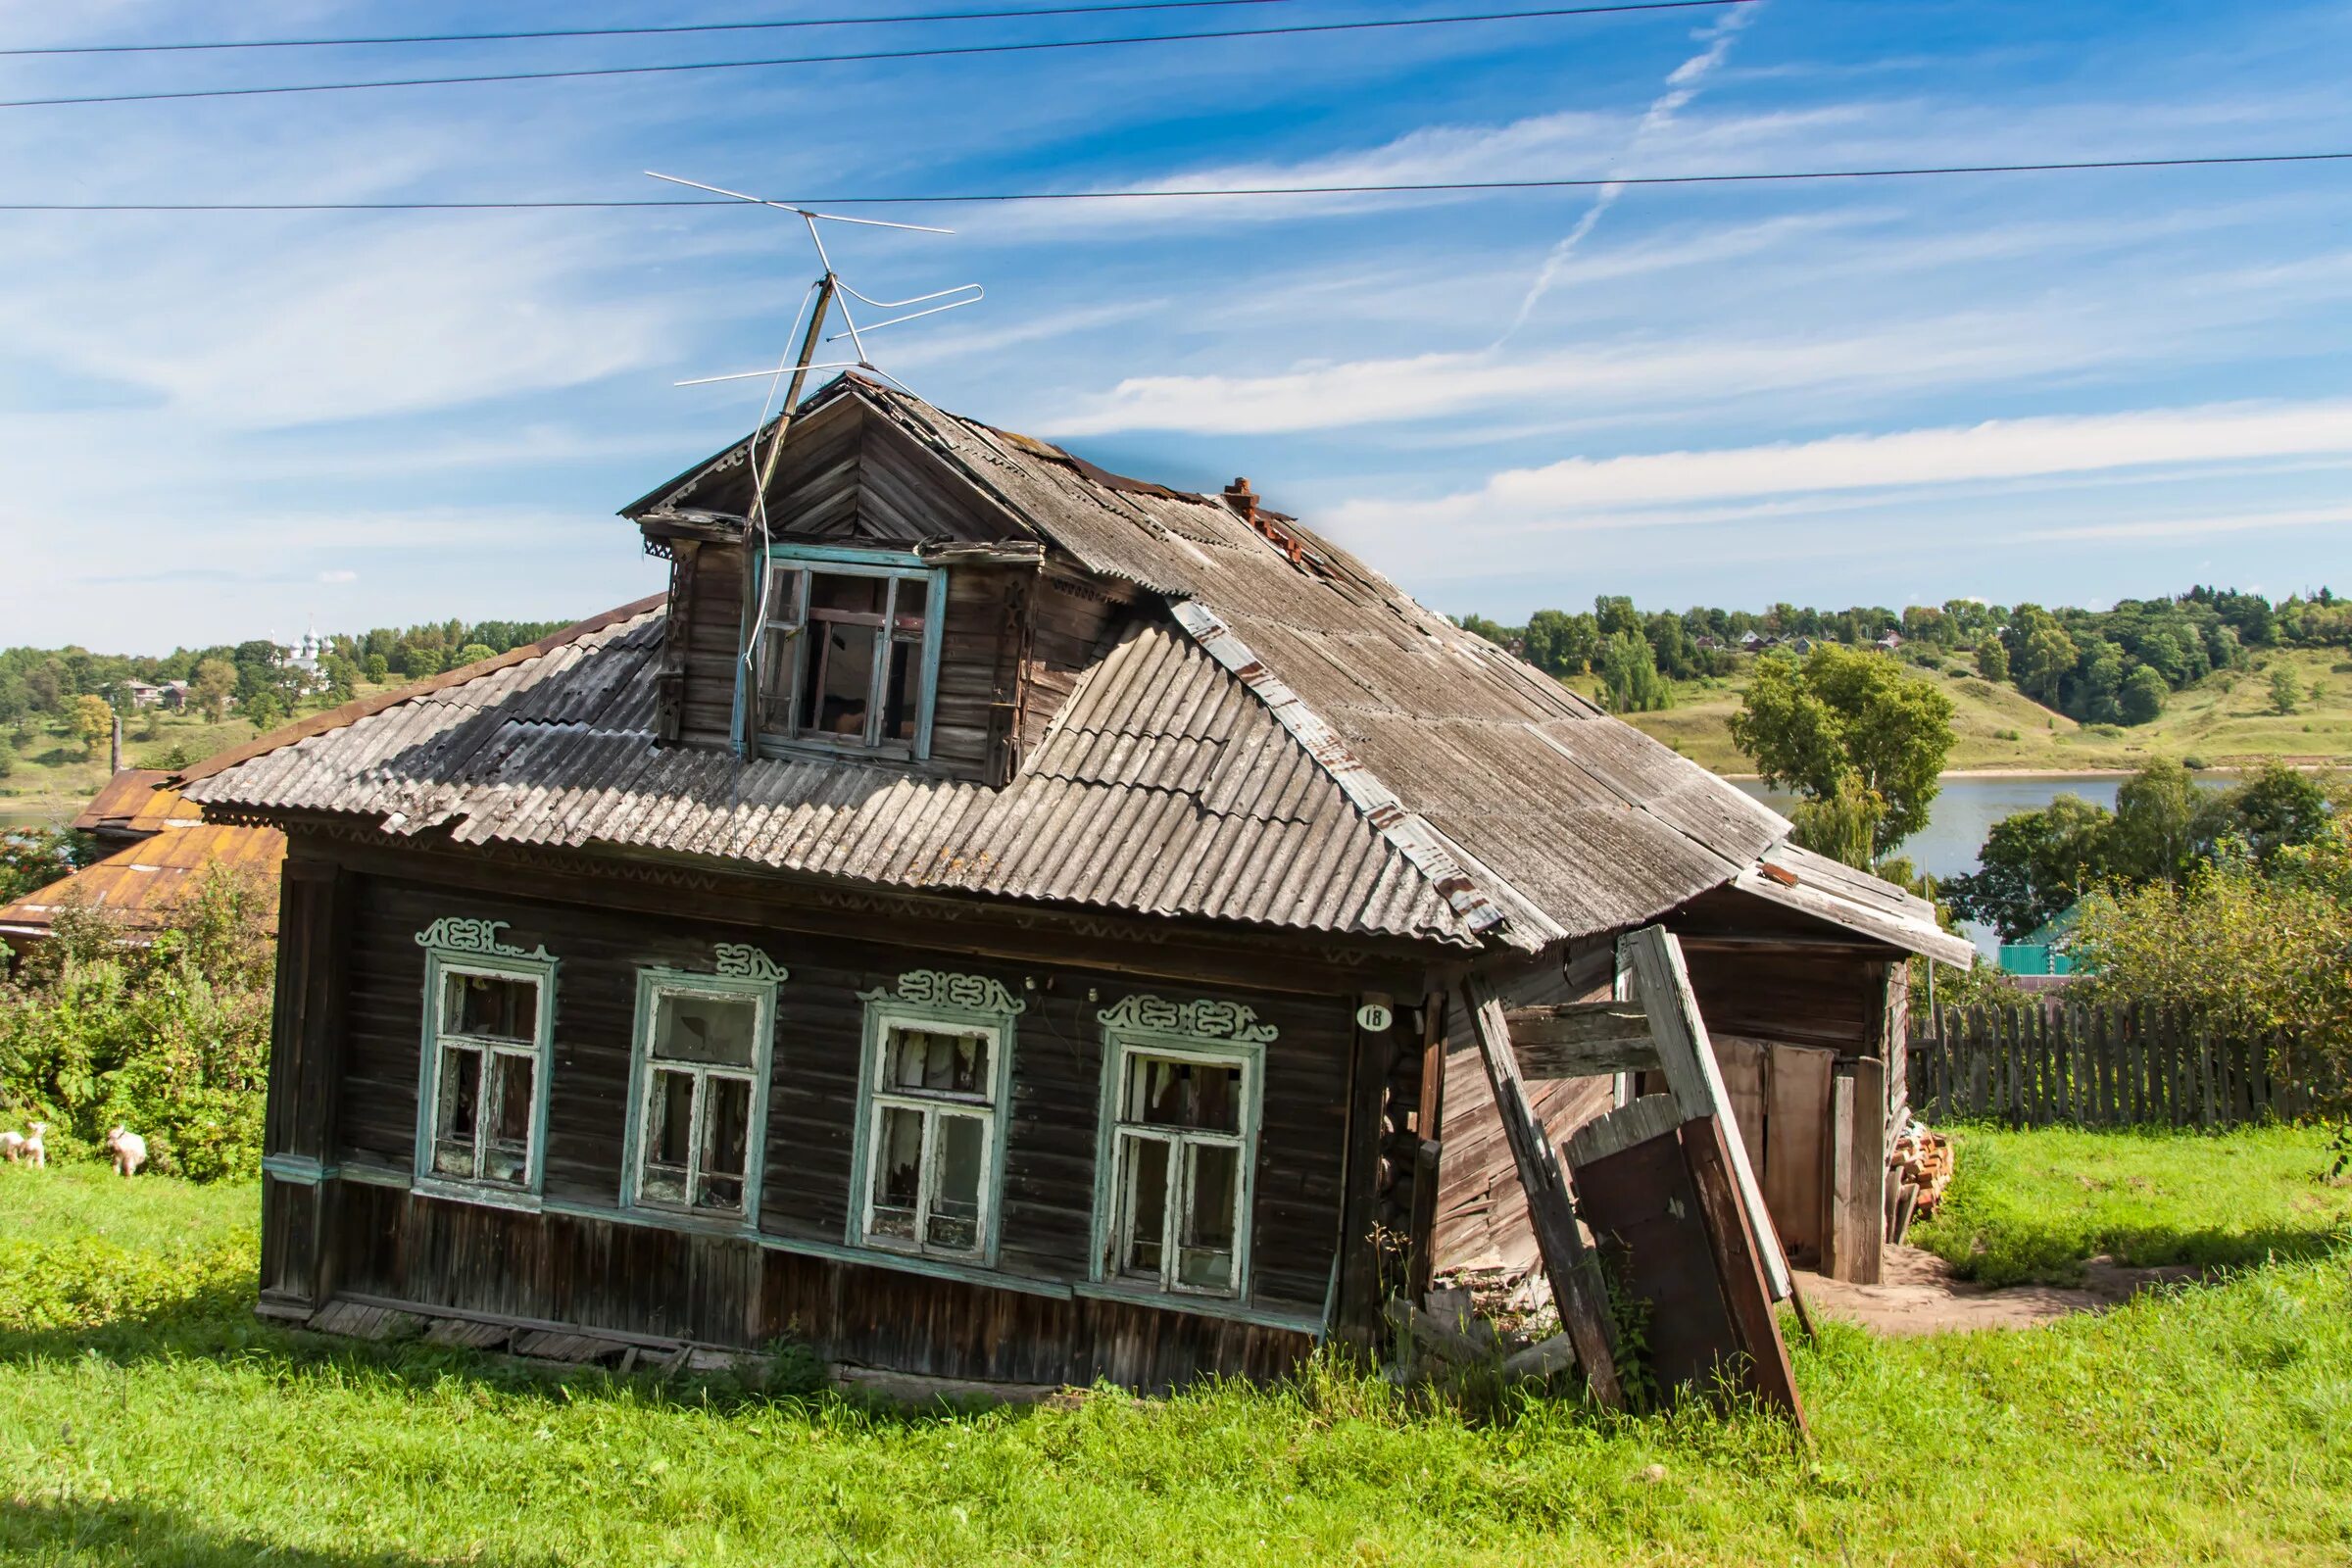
(170, 1038)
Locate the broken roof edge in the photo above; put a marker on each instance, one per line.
(351, 712)
(1796, 879)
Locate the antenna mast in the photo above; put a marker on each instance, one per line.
(829, 290)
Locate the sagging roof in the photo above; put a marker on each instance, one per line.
(135, 802)
(1372, 768)
(139, 884)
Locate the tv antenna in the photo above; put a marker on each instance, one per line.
(829, 292)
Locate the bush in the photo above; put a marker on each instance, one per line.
(170, 1038)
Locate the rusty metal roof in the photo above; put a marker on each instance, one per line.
(139, 883)
(136, 800)
(1295, 742)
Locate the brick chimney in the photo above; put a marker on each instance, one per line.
(1243, 500)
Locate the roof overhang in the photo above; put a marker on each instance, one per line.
(1855, 901)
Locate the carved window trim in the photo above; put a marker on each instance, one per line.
(739, 972)
(456, 947)
(957, 1002)
(1209, 1033)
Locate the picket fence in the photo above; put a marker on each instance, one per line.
(2038, 1065)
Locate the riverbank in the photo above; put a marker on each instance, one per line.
(2223, 723)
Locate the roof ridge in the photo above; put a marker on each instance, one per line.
(351, 712)
(1421, 844)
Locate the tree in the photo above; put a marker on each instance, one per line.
(1993, 659)
(1629, 675)
(93, 722)
(1615, 613)
(2272, 808)
(2043, 655)
(2034, 866)
(1845, 715)
(379, 669)
(31, 858)
(2142, 696)
(265, 710)
(2154, 838)
(473, 654)
(2285, 690)
(214, 683)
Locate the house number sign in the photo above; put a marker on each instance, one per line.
(1374, 1017)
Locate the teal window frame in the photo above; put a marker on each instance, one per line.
(883, 1012)
(1112, 1218)
(893, 564)
(439, 964)
(652, 985)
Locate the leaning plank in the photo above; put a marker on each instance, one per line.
(1707, 1146)
(1580, 1039)
(469, 1333)
(1633, 1122)
(1663, 983)
(1574, 1275)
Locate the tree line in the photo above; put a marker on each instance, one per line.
(2100, 667)
(255, 675)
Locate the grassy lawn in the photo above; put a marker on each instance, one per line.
(2222, 722)
(2034, 1205)
(146, 1417)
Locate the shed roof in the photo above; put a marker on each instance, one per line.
(1293, 742)
(139, 883)
(137, 800)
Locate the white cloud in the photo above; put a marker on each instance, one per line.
(339, 574)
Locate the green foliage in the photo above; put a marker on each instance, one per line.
(214, 683)
(1629, 675)
(93, 723)
(2035, 1205)
(1843, 721)
(265, 711)
(168, 1037)
(473, 654)
(2034, 866)
(379, 669)
(2286, 693)
(1993, 659)
(2141, 700)
(33, 858)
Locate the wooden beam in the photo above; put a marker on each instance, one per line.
(1574, 1273)
(1662, 983)
(1580, 1039)
(1853, 1239)
(1707, 1143)
(1428, 1118)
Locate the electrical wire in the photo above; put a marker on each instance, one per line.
(1434, 187)
(936, 52)
(622, 33)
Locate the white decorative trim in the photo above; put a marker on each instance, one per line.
(938, 987)
(740, 961)
(1204, 1018)
(457, 934)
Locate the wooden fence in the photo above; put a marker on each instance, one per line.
(2040, 1065)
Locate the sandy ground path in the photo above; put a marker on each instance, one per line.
(1918, 1295)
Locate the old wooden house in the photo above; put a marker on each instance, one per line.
(988, 918)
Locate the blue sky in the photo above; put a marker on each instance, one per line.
(2065, 387)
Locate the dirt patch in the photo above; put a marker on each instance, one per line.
(1917, 1293)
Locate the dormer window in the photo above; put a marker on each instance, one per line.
(847, 657)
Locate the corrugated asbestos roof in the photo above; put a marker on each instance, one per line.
(138, 883)
(1298, 744)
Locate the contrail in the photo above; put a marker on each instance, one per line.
(1682, 85)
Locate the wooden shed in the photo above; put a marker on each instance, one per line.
(988, 918)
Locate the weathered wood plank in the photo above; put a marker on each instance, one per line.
(1796, 1110)
(1580, 1039)
(1854, 1239)
(1688, 1060)
(1575, 1284)
(1739, 1262)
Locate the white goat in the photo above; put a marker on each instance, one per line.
(11, 1146)
(37, 1146)
(130, 1151)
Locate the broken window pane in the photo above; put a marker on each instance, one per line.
(901, 696)
(783, 595)
(1165, 1092)
(507, 1156)
(726, 1141)
(937, 1060)
(1146, 1202)
(721, 1030)
(1205, 1247)
(668, 1136)
(840, 676)
(490, 1006)
(907, 613)
(897, 1172)
(840, 594)
(457, 1117)
(955, 1220)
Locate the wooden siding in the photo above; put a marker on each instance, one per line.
(714, 625)
(1046, 1213)
(636, 1279)
(1482, 1211)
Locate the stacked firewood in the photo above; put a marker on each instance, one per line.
(1918, 1167)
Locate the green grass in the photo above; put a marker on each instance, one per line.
(2223, 721)
(2034, 1205)
(2204, 1424)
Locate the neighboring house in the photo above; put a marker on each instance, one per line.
(156, 844)
(999, 921)
(1890, 642)
(2047, 950)
(142, 694)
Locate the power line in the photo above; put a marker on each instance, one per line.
(1435, 187)
(938, 52)
(624, 33)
